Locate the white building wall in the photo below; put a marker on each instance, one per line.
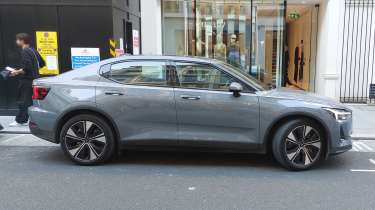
(345, 54)
(357, 50)
(329, 25)
(151, 27)
(329, 41)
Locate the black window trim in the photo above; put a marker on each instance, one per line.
(172, 83)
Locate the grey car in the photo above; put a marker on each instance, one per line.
(183, 103)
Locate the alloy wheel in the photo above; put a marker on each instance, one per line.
(303, 145)
(85, 141)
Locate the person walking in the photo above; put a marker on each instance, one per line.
(31, 62)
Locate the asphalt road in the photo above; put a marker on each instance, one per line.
(34, 175)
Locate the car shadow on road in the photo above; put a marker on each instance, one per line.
(212, 159)
(196, 161)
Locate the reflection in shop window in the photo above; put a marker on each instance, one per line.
(245, 34)
(202, 77)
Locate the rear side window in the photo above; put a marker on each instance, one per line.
(140, 73)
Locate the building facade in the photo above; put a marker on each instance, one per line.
(321, 46)
(78, 24)
(247, 34)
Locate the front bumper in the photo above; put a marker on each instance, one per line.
(342, 140)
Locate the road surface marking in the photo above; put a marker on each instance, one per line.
(192, 188)
(362, 170)
(365, 170)
(354, 148)
(363, 146)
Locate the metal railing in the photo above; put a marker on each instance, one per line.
(358, 52)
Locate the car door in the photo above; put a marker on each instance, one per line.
(207, 112)
(137, 95)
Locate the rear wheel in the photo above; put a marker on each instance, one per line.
(87, 140)
(299, 144)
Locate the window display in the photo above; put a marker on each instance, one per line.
(247, 34)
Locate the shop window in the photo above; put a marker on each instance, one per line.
(202, 77)
(245, 34)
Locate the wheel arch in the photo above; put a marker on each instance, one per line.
(85, 110)
(271, 130)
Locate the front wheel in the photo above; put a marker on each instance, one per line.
(299, 144)
(87, 140)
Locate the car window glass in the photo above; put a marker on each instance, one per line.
(202, 77)
(145, 73)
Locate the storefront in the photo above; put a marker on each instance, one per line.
(249, 34)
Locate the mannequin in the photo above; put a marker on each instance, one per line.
(220, 49)
(302, 60)
(234, 51)
(199, 43)
(296, 63)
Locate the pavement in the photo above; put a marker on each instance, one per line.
(6, 120)
(35, 175)
(363, 122)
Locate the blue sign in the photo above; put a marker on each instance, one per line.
(84, 56)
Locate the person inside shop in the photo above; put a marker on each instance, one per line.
(296, 63)
(302, 60)
(30, 63)
(234, 51)
(286, 66)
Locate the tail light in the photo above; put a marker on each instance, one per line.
(40, 92)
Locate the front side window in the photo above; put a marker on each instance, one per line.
(140, 73)
(200, 76)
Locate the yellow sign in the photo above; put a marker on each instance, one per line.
(112, 47)
(46, 44)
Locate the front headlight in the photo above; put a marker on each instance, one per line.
(339, 114)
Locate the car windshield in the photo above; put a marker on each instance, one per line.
(260, 86)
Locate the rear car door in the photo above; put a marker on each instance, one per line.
(207, 112)
(137, 95)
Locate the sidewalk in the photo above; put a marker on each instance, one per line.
(6, 120)
(363, 123)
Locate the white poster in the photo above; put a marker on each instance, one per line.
(135, 42)
(84, 56)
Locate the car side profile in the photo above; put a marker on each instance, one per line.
(184, 103)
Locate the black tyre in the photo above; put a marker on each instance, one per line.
(87, 140)
(299, 144)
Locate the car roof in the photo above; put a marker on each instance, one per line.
(159, 57)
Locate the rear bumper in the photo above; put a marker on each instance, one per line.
(42, 124)
(43, 134)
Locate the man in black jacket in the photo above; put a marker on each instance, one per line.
(31, 61)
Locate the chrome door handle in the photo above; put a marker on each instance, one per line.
(113, 93)
(187, 97)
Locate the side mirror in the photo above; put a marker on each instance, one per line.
(235, 88)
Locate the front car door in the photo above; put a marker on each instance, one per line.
(137, 95)
(207, 112)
